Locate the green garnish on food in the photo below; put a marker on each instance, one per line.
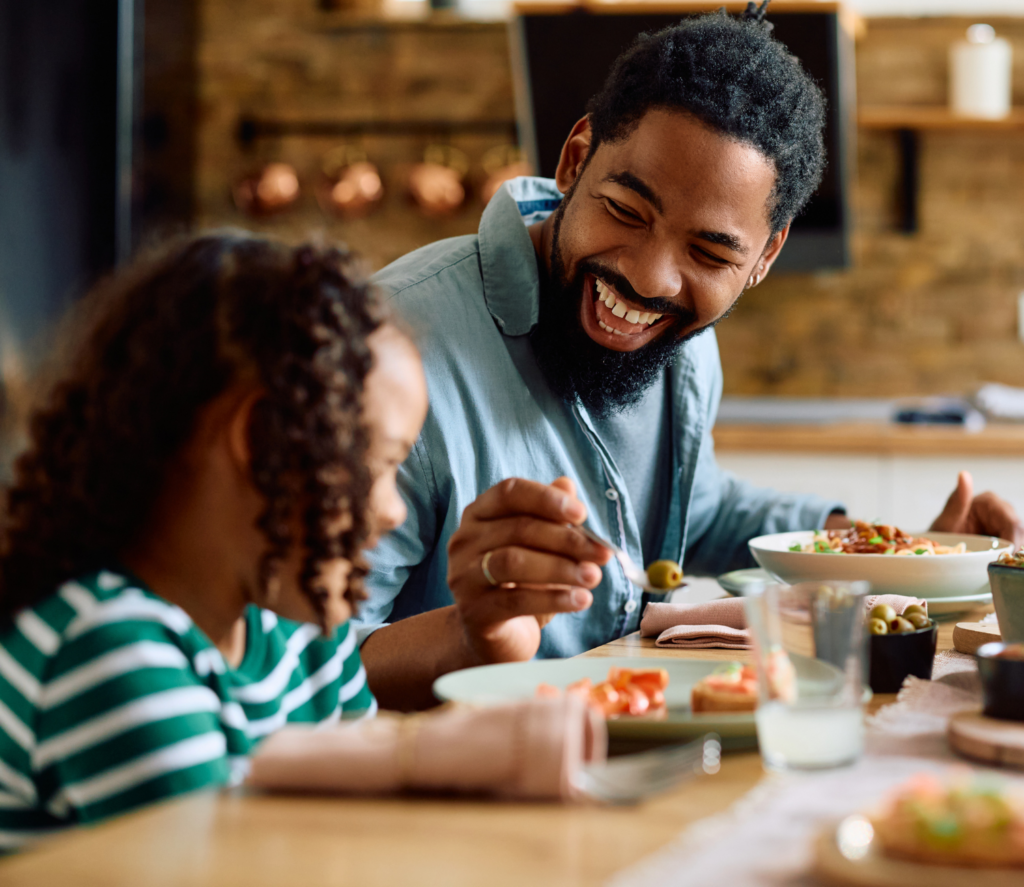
(944, 830)
(796, 547)
(823, 548)
(875, 540)
(921, 551)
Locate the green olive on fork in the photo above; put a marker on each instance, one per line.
(665, 574)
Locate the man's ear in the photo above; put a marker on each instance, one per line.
(574, 155)
(238, 426)
(772, 251)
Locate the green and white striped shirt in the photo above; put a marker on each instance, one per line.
(110, 698)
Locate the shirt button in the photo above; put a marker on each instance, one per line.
(629, 606)
(612, 494)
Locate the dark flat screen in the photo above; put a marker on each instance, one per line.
(565, 59)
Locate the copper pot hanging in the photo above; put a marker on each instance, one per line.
(273, 189)
(352, 185)
(437, 185)
(501, 164)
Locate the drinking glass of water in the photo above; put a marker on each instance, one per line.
(809, 646)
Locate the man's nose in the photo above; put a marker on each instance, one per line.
(653, 271)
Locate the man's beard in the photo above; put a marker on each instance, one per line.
(576, 367)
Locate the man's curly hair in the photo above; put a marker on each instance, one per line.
(153, 346)
(732, 75)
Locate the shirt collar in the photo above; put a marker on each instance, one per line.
(507, 258)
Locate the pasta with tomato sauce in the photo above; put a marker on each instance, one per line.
(865, 538)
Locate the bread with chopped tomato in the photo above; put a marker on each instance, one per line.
(732, 688)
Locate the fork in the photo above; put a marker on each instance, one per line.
(630, 778)
(633, 573)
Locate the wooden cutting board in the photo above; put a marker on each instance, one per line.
(968, 636)
(993, 741)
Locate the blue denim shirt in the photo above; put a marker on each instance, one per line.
(471, 302)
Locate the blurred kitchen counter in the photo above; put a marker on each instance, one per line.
(870, 438)
(849, 450)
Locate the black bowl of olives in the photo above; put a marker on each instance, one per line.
(900, 645)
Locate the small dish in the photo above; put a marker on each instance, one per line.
(1008, 598)
(1001, 667)
(737, 582)
(894, 656)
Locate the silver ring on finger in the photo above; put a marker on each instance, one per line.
(485, 567)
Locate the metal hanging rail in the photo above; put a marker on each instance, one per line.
(250, 129)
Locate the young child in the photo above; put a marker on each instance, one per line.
(180, 549)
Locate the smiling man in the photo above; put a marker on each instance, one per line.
(572, 370)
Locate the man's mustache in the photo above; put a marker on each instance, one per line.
(623, 287)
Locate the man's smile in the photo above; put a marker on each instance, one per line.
(615, 322)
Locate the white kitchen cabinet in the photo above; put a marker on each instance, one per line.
(906, 490)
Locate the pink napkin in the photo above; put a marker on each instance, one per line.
(899, 602)
(713, 624)
(530, 749)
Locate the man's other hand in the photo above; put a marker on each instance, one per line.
(540, 565)
(985, 514)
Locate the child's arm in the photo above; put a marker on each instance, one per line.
(124, 720)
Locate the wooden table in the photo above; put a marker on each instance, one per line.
(222, 840)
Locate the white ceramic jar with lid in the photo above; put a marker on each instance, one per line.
(980, 75)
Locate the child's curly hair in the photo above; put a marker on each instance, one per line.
(153, 346)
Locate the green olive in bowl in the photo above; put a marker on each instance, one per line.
(900, 625)
(897, 654)
(918, 620)
(877, 626)
(883, 612)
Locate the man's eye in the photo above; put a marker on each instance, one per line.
(718, 260)
(624, 214)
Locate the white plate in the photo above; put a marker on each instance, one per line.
(491, 684)
(931, 577)
(738, 581)
(949, 606)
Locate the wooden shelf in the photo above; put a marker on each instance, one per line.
(643, 7)
(908, 122)
(928, 117)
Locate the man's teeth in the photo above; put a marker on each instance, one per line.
(619, 309)
(609, 329)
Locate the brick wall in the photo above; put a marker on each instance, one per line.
(918, 314)
(285, 60)
(923, 313)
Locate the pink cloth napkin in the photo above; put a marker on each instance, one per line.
(899, 602)
(719, 624)
(530, 749)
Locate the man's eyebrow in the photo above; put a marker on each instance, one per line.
(729, 241)
(638, 185)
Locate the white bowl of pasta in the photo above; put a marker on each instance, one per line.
(926, 565)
